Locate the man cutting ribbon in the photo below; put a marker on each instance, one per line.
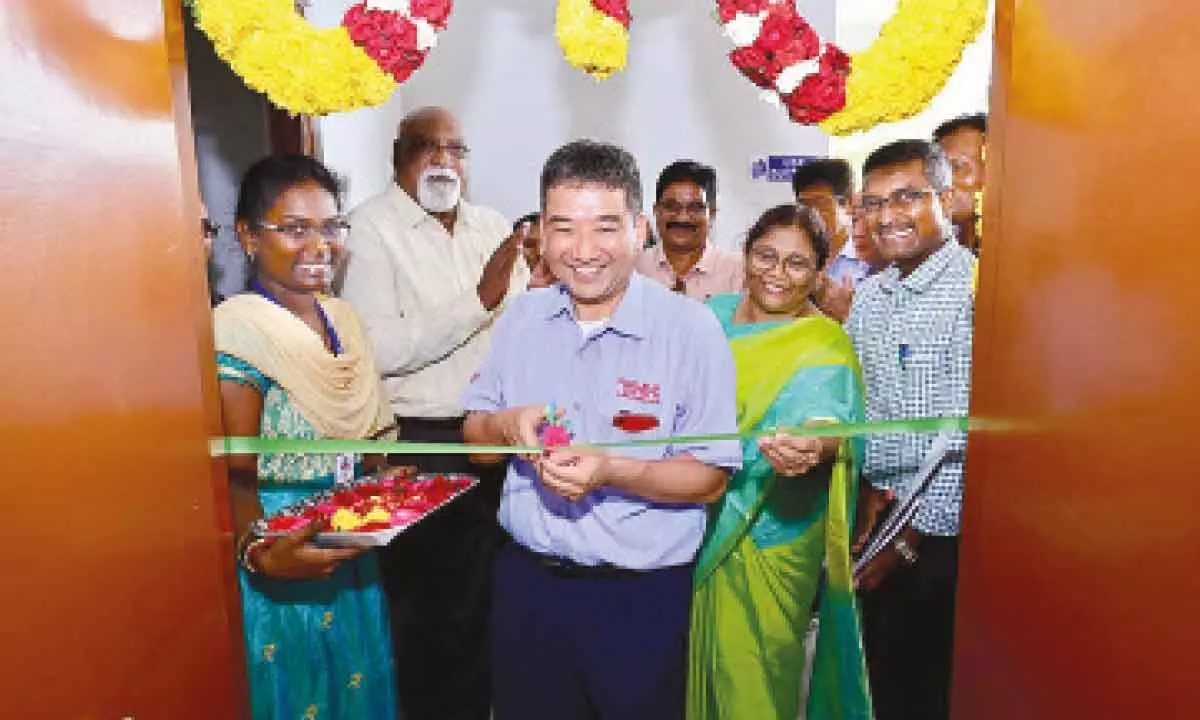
(591, 598)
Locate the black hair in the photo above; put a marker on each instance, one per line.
(531, 218)
(792, 215)
(594, 163)
(823, 171)
(688, 171)
(974, 121)
(933, 160)
(268, 179)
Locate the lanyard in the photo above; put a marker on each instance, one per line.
(335, 343)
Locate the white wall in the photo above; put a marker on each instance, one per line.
(499, 67)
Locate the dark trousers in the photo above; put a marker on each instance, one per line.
(588, 648)
(437, 577)
(908, 633)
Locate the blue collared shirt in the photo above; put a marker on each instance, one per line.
(661, 356)
(844, 267)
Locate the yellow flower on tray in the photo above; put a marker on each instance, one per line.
(377, 515)
(591, 40)
(345, 519)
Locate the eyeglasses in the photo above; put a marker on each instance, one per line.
(425, 147)
(764, 260)
(673, 207)
(208, 230)
(330, 230)
(904, 200)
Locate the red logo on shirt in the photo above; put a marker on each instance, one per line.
(634, 422)
(641, 392)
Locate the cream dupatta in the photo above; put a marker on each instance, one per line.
(340, 395)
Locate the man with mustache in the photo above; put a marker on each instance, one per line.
(428, 272)
(683, 260)
(912, 326)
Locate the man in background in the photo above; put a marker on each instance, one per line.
(428, 272)
(963, 140)
(685, 206)
(529, 227)
(826, 185)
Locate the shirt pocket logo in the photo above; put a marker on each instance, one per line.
(632, 423)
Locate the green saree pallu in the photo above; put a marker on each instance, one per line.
(760, 568)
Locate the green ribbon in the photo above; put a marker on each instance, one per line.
(256, 445)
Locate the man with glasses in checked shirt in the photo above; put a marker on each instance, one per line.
(912, 327)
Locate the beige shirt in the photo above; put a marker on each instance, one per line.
(414, 286)
(718, 271)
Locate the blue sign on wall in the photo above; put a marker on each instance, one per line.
(777, 168)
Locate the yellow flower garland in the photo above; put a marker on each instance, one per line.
(591, 40)
(300, 68)
(908, 64)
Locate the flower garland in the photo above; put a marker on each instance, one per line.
(779, 51)
(397, 34)
(594, 34)
(908, 64)
(315, 71)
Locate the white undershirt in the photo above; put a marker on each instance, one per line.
(591, 327)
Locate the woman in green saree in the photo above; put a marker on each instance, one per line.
(786, 514)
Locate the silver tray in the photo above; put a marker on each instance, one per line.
(362, 538)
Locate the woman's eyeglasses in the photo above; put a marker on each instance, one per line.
(763, 260)
(331, 230)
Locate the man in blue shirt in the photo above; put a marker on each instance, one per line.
(825, 184)
(591, 598)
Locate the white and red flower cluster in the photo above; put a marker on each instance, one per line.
(779, 51)
(397, 34)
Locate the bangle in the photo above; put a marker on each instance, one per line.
(250, 542)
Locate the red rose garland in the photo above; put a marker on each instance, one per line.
(779, 51)
(616, 9)
(397, 34)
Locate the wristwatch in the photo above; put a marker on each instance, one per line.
(906, 552)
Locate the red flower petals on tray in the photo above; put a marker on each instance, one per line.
(368, 512)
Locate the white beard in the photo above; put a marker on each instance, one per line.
(435, 193)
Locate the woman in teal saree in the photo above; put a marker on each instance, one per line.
(786, 515)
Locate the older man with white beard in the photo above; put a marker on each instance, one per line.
(427, 272)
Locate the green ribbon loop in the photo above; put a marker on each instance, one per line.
(260, 445)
